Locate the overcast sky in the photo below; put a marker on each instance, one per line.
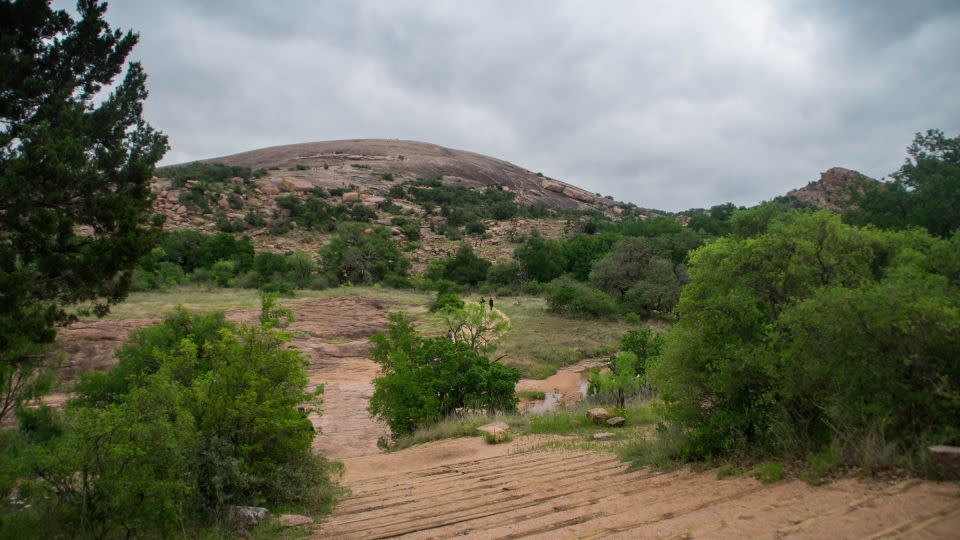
(667, 104)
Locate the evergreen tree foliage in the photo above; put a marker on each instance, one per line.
(75, 166)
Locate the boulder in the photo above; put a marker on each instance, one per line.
(495, 431)
(173, 196)
(579, 194)
(551, 185)
(947, 459)
(598, 415)
(295, 520)
(602, 436)
(269, 189)
(235, 180)
(246, 516)
(616, 421)
(351, 197)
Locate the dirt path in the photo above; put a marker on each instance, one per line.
(459, 488)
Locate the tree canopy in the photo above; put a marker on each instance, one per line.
(75, 201)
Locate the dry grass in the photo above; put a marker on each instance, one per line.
(540, 342)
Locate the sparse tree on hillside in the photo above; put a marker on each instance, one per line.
(75, 201)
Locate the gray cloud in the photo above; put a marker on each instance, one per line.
(669, 105)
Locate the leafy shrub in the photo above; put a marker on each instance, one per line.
(620, 383)
(446, 300)
(357, 256)
(570, 297)
(505, 274)
(424, 380)
(197, 414)
(205, 172)
(816, 334)
(540, 259)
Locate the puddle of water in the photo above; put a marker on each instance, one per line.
(549, 403)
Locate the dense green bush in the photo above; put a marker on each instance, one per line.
(424, 380)
(197, 414)
(463, 267)
(814, 335)
(570, 297)
(361, 254)
(504, 274)
(207, 172)
(540, 259)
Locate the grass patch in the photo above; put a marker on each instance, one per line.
(453, 427)
(532, 394)
(570, 420)
(540, 342)
(151, 304)
(728, 471)
(768, 472)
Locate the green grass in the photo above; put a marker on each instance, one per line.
(144, 305)
(539, 342)
(570, 420)
(532, 394)
(728, 471)
(768, 472)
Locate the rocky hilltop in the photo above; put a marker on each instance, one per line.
(373, 165)
(834, 190)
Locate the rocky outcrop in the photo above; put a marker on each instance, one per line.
(495, 432)
(835, 190)
(598, 415)
(244, 517)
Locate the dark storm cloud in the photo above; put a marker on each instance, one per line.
(670, 105)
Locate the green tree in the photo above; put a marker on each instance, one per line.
(75, 202)
(423, 380)
(816, 334)
(301, 269)
(465, 267)
(197, 414)
(618, 384)
(925, 190)
(362, 254)
(540, 259)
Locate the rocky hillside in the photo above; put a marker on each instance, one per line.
(833, 191)
(265, 193)
(366, 163)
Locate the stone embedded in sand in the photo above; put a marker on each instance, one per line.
(598, 415)
(495, 431)
(246, 516)
(295, 520)
(602, 436)
(948, 460)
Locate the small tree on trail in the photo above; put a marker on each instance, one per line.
(476, 325)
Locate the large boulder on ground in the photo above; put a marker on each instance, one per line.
(616, 421)
(495, 431)
(351, 197)
(295, 520)
(244, 517)
(598, 415)
(947, 459)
